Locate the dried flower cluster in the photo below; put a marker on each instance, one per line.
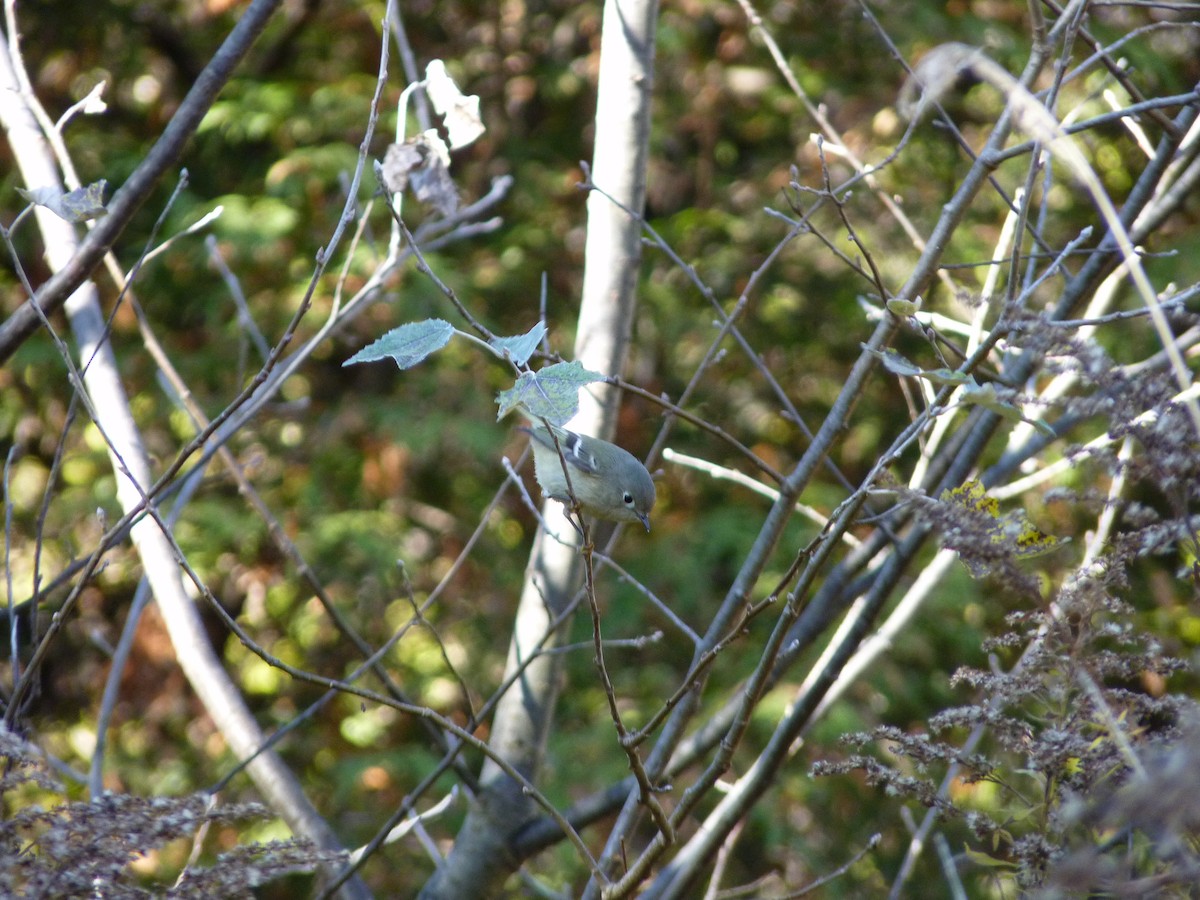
(85, 849)
(1091, 755)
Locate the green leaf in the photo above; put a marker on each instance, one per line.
(986, 861)
(408, 344)
(894, 362)
(901, 307)
(901, 365)
(947, 376)
(987, 397)
(990, 399)
(520, 348)
(550, 393)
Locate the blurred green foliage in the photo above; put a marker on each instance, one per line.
(366, 467)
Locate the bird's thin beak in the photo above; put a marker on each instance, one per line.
(644, 519)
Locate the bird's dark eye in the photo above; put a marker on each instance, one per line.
(628, 498)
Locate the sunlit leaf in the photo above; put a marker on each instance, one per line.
(460, 111)
(986, 860)
(408, 344)
(894, 362)
(551, 393)
(520, 348)
(903, 307)
(987, 396)
(947, 376)
(93, 104)
(901, 365)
